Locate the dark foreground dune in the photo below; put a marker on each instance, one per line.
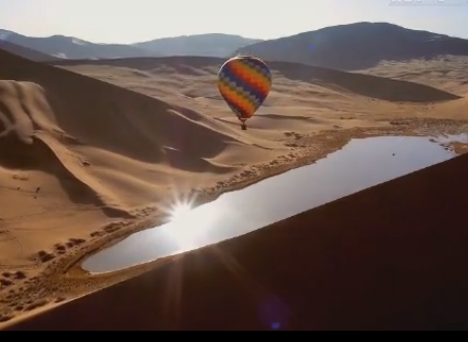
(390, 257)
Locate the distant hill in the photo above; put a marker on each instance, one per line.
(210, 45)
(73, 48)
(27, 53)
(350, 47)
(357, 46)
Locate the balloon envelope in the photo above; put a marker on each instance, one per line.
(244, 82)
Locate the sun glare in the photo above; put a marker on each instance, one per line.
(183, 226)
(179, 211)
(187, 224)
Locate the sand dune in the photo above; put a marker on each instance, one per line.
(330, 98)
(448, 73)
(86, 160)
(78, 154)
(268, 122)
(360, 84)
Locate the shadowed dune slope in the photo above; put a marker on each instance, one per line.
(365, 85)
(360, 84)
(50, 116)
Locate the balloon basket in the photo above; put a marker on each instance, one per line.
(244, 127)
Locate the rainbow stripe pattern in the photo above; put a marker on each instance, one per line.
(244, 83)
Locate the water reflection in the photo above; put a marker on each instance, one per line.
(360, 164)
(184, 228)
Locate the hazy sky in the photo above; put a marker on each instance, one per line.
(127, 21)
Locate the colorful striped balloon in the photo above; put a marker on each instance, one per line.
(244, 82)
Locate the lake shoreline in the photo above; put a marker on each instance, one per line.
(408, 128)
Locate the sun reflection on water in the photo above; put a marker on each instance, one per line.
(178, 211)
(188, 225)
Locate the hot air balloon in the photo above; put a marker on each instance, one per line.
(244, 83)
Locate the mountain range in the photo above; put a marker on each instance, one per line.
(345, 47)
(212, 45)
(357, 46)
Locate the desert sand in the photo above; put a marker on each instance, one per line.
(93, 151)
(388, 258)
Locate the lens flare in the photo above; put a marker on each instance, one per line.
(179, 211)
(189, 225)
(186, 224)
